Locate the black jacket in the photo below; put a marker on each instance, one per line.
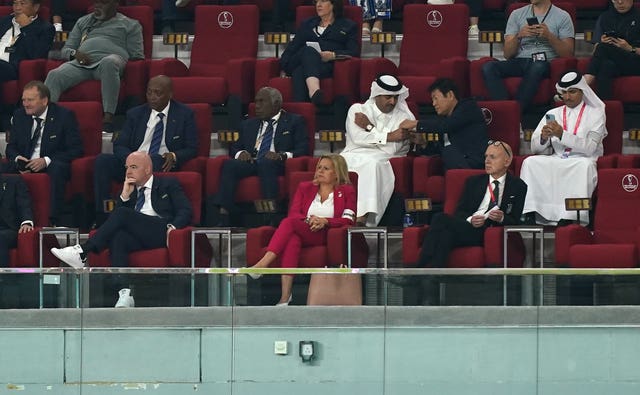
(34, 41)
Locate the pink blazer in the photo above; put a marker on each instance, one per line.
(344, 198)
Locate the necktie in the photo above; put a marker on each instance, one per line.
(157, 136)
(140, 199)
(267, 138)
(496, 195)
(36, 136)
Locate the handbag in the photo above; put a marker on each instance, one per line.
(335, 290)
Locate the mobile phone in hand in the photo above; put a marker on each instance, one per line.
(550, 117)
(532, 21)
(611, 33)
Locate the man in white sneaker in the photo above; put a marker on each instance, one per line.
(148, 209)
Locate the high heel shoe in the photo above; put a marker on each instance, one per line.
(254, 276)
(287, 302)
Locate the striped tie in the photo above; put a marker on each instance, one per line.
(157, 136)
(140, 199)
(267, 138)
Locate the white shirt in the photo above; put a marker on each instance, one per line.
(320, 208)
(484, 204)
(261, 133)
(151, 125)
(36, 149)
(8, 39)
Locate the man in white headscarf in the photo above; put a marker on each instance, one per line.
(570, 141)
(373, 137)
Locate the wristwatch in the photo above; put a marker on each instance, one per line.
(633, 49)
(369, 127)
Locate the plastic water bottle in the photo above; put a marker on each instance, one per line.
(407, 221)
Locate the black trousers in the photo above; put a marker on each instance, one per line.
(8, 240)
(609, 62)
(446, 233)
(126, 231)
(304, 64)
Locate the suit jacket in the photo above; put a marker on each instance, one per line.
(290, 135)
(60, 137)
(466, 128)
(340, 37)
(34, 41)
(168, 200)
(180, 133)
(15, 202)
(344, 198)
(512, 202)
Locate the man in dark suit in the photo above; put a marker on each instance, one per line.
(148, 209)
(15, 214)
(460, 125)
(29, 37)
(44, 138)
(264, 144)
(486, 201)
(175, 142)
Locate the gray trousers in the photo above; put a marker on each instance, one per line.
(108, 70)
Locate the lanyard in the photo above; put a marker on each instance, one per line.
(564, 118)
(567, 151)
(545, 15)
(263, 131)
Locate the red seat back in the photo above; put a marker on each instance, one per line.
(144, 15)
(223, 33)
(615, 125)
(204, 125)
(503, 121)
(454, 185)
(39, 189)
(617, 216)
(191, 184)
(444, 28)
(89, 116)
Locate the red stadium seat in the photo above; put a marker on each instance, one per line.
(445, 29)
(333, 254)
(489, 255)
(344, 82)
(223, 57)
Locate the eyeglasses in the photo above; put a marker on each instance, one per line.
(499, 143)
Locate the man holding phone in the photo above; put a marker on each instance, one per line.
(568, 141)
(617, 38)
(535, 34)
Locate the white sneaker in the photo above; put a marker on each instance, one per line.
(125, 299)
(182, 3)
(69, 255)
(474, 32)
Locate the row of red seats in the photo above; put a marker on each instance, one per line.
(214, 79)
(613, 243)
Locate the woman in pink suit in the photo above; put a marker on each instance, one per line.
(328, 201)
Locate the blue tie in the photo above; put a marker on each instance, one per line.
(140, 199)
(267, 138)
(157, 136)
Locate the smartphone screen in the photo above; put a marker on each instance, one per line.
(531, 21)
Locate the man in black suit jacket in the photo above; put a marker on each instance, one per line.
(30, 37)
(15, 214)
(44, 138)
(480, 206)
(147, 210)
(460, 120)
(177, 139)
(261, 150)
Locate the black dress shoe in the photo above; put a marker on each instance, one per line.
(317, 98)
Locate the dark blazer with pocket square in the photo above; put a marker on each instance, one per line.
(168, 200)
(290, 135)
(180, 132)
(60, 137)
(512, 202)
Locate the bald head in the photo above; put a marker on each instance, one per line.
(139, 167)
(497, 158)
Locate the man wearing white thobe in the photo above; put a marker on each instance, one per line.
(373, 137)
(569, 139)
